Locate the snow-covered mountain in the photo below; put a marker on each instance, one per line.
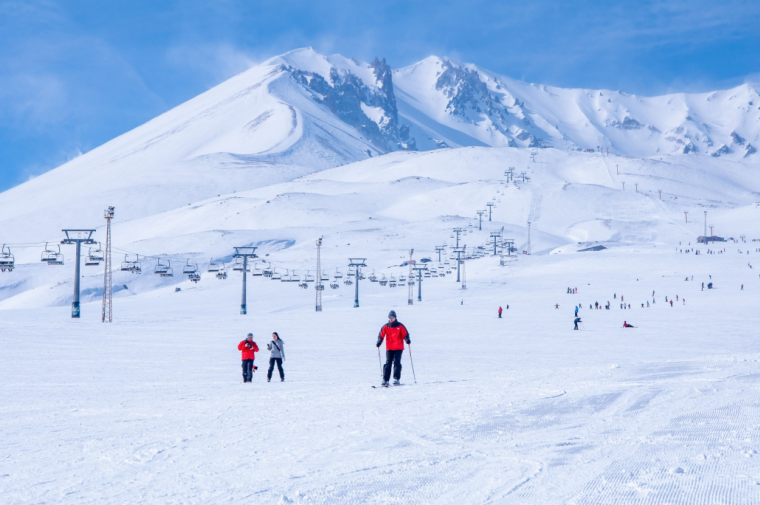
(290, 150)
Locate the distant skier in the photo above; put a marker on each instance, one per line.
(499, 312)
(742, 287)
(671, 302)
(249, 350)
(576, 321)
(626, 325)
(276, 356)
(396, 334)
(556, 305)
(647, 303)
(576, 311)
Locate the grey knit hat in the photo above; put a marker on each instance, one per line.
(392, 314)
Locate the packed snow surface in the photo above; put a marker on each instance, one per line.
(522, 409)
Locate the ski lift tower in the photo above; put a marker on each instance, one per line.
(509, 243)
(480, 218)
(439, 249)
(107, 313)
(495, 235)
(458, 231)
(411, 283)
(318, 285)
(459, 251)
(420, 269)
(77, 237)
(357, 264)
(245, 253)
(705, 223)
(490, 208)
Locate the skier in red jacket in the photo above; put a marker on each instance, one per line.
(500, 312)
(249, 350)
(395, 334)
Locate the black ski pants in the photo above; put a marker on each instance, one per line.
(392, 358)
(247, 370)
(272, 361)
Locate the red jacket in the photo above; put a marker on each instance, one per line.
(248, 353)
(394, 333)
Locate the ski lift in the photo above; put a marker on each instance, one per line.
(348, 282)
(325, 277)
(427, 273)
(212, 267)
(434, 273)
(392, 282)
(334, 284)
(402, 278)
(7, 261)
(94, 258)
(52, 257)
(276, 276)
(169, 272)
(195, 277)
(160, 268)
(282, 278)
(131, 266)
(383, 281)
(295, 278)
(222, 273)
(303, 285)
(319, 287)
(338, 275)
(189, 269)
(373, 277)
(257, 272)
(268, 272)
(309, 278)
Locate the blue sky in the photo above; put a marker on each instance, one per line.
(75, 74)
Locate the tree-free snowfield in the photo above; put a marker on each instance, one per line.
(152, 408)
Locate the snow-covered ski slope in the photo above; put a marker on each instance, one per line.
(522, 409)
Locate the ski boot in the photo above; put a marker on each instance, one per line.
(384, 384)
(396, 382)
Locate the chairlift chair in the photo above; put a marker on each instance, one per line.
(94, 257)
(373, 277)
(283, 278)
(7, 261)
(52, 257)
(257, 272)
(334, 284)
(303, 285)
(319, 287)
(392, 282)
(189, 269)
(276, 276)
(325, 277)
(212, 267)
(338, 274)
(195, 276)
(383, 281)
(238, 266)
(348, 282)
(160, 268)
(222, 273)
(295, 278)
(169, 272)
(309, 277)
(268, 272)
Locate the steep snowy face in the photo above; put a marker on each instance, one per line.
(369, 107)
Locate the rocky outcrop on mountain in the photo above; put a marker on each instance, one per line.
(467, 93)
(368, 107)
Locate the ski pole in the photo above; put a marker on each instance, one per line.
(412, 361)
(380, 364)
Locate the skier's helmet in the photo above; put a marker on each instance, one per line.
(392, 314)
